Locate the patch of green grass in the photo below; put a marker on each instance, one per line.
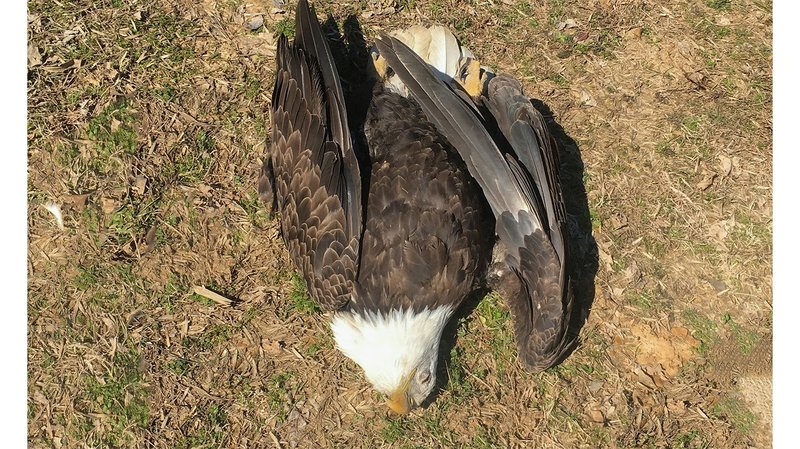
(702, 328)
(746, 339)
(691, 124)
(458, 384)
(277, 396)
(719, 5)
(436, 8)
(483, 439)
(119, 394)
(641, 299)
(166, 93)
(394, 429)
(562, 37)
(689, 440)
(112, 130)
(736, 413)
(603, 46)
(201, 299)
(256, 210)
(252, 87)
(123, 221)
(299, 300)
(178, 366)
(211, 337)
(497, 319)
(286, 27)
(559, 79)
(192, 165)
(87, 277)
(462, 23)
(573, 370)
(212, 431)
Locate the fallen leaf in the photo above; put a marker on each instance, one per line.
(679, 331)
(722, 21)
(257, 44)
(34, 56)
(107, 205)
(77, 202)
(697, 78)
(634, 33)
(140, 184)
(272, 348)
(596, 416)
(707, 180)
(150, 240)
(720, 229)
(725, 164)
(587, 99)
(718, 285)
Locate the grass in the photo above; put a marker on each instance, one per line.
(120, 395)
(299, 301)
(702, 329)
(210, 432)
(278, 386)
(736, 413)
(286, 27)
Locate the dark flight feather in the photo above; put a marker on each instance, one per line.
(315, 188)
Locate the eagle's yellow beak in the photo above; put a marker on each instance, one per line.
(398, 401)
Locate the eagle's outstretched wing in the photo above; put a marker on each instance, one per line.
(522, 187)
(311, 172)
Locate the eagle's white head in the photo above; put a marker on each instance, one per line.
(398, 350)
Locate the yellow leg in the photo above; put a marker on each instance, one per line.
(379, 63)
(473, 82)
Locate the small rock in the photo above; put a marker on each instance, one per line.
(718, 285)
(254, 23)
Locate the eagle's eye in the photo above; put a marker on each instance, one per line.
(424, 376)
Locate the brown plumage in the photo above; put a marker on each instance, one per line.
(508, 149)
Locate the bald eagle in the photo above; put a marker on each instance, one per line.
(387, 214)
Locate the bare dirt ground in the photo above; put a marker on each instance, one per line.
(147, 122)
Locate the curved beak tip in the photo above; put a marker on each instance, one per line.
(399, 403)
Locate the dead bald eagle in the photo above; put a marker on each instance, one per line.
(387, 212)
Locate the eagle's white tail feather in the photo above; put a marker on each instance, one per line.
(436, 45)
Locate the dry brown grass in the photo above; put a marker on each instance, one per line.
(147, 122)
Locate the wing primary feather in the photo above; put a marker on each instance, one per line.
(309, 36)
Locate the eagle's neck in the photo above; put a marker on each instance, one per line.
(389, 345)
